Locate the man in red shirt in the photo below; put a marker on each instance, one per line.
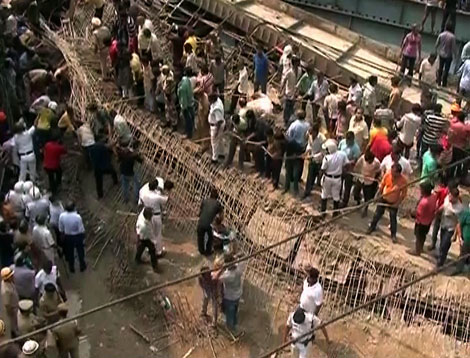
(425, 212)
(380, 146)
(53, 151)
(459, 134)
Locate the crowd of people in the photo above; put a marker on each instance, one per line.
(349, 142)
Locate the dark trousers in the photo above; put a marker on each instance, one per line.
(289, 105)
(261, 82)
(220, 88)
(234, 143)
(55, 178)
(407, 62)
(421, 231)
(259, 157)
(99, 173)
(141, 246)
(449, 14)
(368, 192)
(443, 71)
(347, 186)
(380, 211)
(273, 169)
(444, 246)
(234, 101)
(75, 243)
(293, 173)
(188, 116)
(436, 226)
(204, 240)
(305, 100)
(459, 170)
(313, 171)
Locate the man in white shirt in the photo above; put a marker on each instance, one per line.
(23, 139)
(14, 197)
(355, 92)
(217, 125)
(314, 153)
(311, 299)
(428, 70)
(241, 87)
(148, 42)
(318, 90)
(86, 139)
(43, 239)
(332, 168)
(396, 157)
(48, 274)
(145, 237)
(288, 92)
(408, 126)
(154, 199)
(301, 325)
(369, 99)
(464, 82)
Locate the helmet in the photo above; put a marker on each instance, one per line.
(330, 146)
(6, 273)
(2, 328)
(30, 347)
(35, 193)
(27, 185)
(18, 188)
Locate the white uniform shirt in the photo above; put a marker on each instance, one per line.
(314, 147)
(152, 199)
(144, 228)
(42, 278)
(216, 112)
(15, 200)
(311, 297)
(297, 330)
(54, 213)
(387, 163)
(409, 125)
(42, 237)
(333, 163)
(369, 100)
(428, 72)
(85, 135)
(24, 141)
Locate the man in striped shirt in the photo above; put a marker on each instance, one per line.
(434, 125)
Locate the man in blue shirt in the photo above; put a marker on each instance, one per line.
(353, 152)
(296, 137)
(261, 68)
(73, 233)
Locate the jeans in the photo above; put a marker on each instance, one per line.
(436, 226)
(459, 171)
(206, 297)
(443, 71)
(289, 105)
(368, 191)
(231, 313)
(464, 251)
(72, 243)
(188, 115)
(258, 156)
(99, 173)
(379, 212)
(293, 172)
(141, 246)
(55, 178)
(125, 181)
(444, 247)
(204, 240)
(407, 62)
(313, 171)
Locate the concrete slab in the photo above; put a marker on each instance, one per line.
(327, 43)
(267, 14)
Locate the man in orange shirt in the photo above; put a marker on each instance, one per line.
(393, 191)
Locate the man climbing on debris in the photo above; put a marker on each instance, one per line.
(210, 209)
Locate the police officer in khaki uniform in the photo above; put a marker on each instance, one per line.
(66, 335)
(49, 303)
(10, 299)
(27, 321)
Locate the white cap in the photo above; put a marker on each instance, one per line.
(331, 146)
(35, 193)
(30, 347)
(18, 188)
(96, 22)
(52, 105)
(27, 185)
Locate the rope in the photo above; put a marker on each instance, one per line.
(364, 305)
(242, 259)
